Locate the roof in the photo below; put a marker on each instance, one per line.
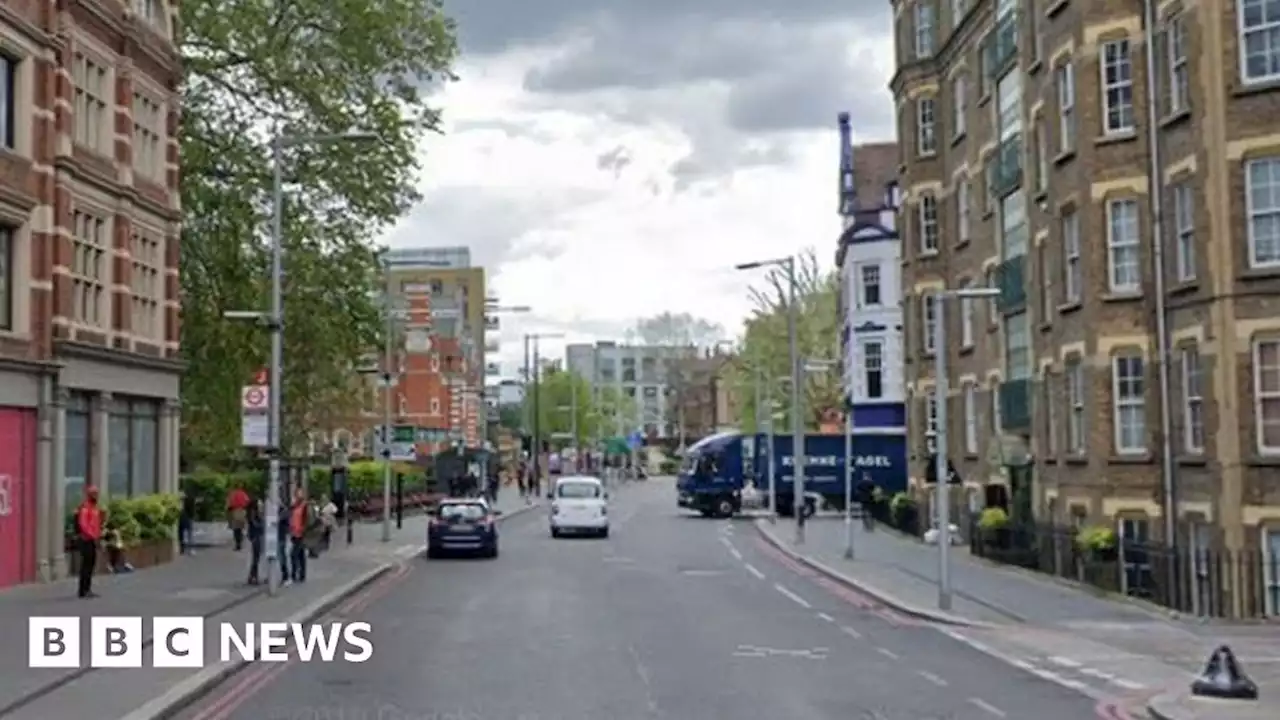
(875, 165)
(712, 442)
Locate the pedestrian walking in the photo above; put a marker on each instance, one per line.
(298, 521)
(328, 519)
(282, 541)
(237, 505)
(255, 528)
(88, 535)
(186, 521)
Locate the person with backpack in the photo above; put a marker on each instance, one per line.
(255, 528)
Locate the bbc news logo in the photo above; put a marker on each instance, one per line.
(179, 642)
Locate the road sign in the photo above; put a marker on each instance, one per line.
(401, 448)
(261, 377)
(255, 431)
(635, 440)
(255, 398)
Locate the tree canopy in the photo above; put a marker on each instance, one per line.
(305, 70)
(764, 350)
(597, 418)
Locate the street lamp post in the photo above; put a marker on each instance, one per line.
(941, 474)
(273, 319)
(788, 264)
(536, 379)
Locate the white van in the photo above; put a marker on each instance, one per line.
(579, 504)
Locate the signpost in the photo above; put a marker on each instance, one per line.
(255, 417)
(402, 442)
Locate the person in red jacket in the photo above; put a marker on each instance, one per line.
(237, 509)
(88, 535)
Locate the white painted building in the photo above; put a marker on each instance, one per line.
(869, 258)
(640, 372)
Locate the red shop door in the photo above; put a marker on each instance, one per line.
(17, 496)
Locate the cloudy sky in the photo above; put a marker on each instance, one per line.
(613, 159)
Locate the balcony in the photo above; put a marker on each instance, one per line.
(1015, 405)
(1006, 174)
(1003, 46)
(1011, 279)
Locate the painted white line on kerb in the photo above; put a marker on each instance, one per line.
(932, 678)
(792, 596)
(979, 702)
(734, 552)
(850, 632)
(888, 653)
(826, 617)
(752, 569)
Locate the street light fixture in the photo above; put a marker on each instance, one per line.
(274, 320)
(788, 264)
(940, 392)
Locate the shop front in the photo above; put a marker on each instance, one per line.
(18, 489)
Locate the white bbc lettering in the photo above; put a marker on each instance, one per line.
(177, 642)
(115, 642)
(871, 461)
(320, 642)
(53, 642)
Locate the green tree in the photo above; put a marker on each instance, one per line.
(597, 417)
(304, 68)
(511, 417)
(764, 350)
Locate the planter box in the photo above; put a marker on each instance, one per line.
(143, 555)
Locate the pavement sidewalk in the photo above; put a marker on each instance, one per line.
(1103, 647)
(209, 583)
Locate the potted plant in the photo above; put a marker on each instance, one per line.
(1097, 542)
(993, 526)
(903, 513)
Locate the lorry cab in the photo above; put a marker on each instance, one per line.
(711, 475)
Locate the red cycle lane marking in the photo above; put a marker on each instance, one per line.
(260, 675)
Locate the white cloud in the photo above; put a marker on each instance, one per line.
(534, 186)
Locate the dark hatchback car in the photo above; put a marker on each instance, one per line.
(462, 526)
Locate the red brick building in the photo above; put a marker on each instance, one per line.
(89, 248)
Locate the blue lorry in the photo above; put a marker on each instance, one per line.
(717, 469)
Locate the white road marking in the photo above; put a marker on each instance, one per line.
(979, 702)
(1094, 672)
(409, 550)
(932, 678)
(734, 552)
(792, 596)
(888, 653)
(850, 632)
(643, 672)
(826, 617)
(1052, 677)
(752, 569)
(1064, 662)
(1127, 684)
(726, 542)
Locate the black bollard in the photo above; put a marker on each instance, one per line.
(399, 501)
(1222, 677)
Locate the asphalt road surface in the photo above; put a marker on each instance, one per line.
(672, 617)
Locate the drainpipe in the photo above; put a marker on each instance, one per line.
(1155, 191)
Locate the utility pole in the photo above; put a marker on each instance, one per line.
(537, 438)
(388, 379)
(573, 414)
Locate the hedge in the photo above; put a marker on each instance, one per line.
(139, 520)
(364, 487)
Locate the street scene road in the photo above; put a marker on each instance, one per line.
(674, 616)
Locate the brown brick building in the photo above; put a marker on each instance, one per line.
(701, 394)
(89, 228)
(1027, 166)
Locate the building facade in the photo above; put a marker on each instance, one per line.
(89, 247)
(869, 262)
(1130, 230)
(641, 373)
(701, 395)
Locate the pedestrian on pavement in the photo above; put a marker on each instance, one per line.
(298, 522)
(522, 479)
(282, 541)
(88, 535)
(237, 504)
(186, 520)
(328, 519)
(255, 527)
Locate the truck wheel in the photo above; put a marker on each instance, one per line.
(724, 508)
